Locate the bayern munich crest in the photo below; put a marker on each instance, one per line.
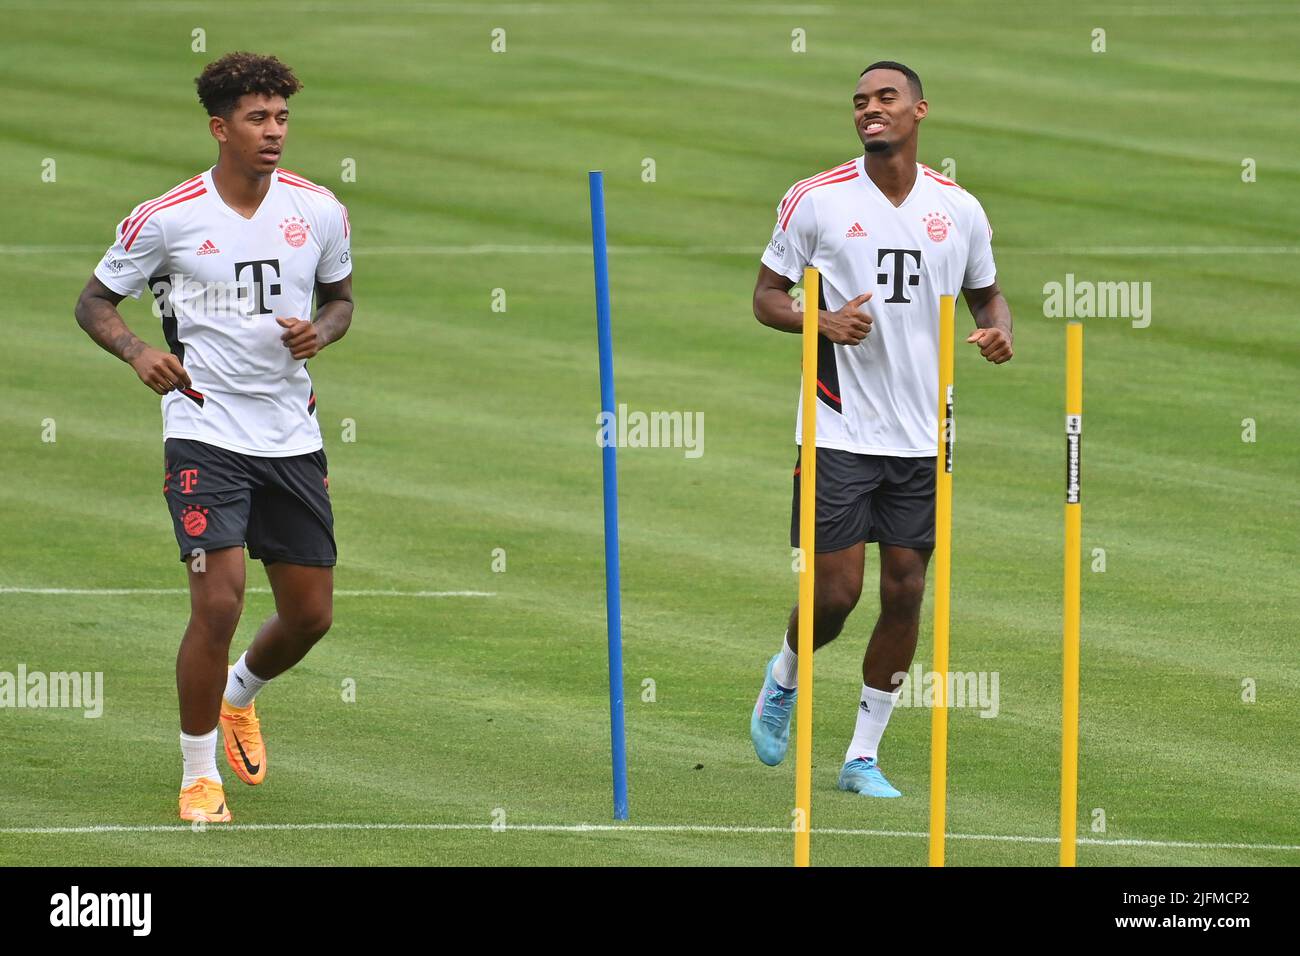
(937, 226)
(194, 519)
(295, 230)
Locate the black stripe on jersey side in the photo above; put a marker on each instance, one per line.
(311, 395)
(828, 373)
(193, 396)
(162, 287)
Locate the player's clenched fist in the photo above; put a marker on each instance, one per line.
(995, 345)
(161, 371)
(300, 337)
(849, 325)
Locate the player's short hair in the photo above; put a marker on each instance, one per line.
(913, 80)
(224, 81)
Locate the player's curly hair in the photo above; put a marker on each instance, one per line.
(224, 81)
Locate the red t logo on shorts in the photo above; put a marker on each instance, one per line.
(189, 478)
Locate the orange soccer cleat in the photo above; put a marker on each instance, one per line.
(242, 733)
(205, 801)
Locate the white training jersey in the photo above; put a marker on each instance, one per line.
(220, 281)
(880, 397)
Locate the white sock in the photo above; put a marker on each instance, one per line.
(786, 671)
(200, 754)
(242, 685)
(874, 708)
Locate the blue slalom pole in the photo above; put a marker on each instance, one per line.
(613, 601)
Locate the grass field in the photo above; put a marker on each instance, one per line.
(475, 431)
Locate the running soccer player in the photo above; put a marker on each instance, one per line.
(889, 237)
(233, 256)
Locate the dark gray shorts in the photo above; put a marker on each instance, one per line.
(219, 498)
(869, 498)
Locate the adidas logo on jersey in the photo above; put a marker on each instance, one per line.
(856, 232)
(207, 249)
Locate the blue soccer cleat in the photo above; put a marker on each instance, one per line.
(862, 775)
(769, 726)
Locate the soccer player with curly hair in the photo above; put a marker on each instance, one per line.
(233, 257)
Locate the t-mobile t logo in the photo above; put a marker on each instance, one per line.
(901, 274)
(262, 286)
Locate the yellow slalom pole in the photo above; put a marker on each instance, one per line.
(1073, 547)
(942, 583)
(808, 552)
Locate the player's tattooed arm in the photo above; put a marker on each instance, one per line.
(334, 309)
(988, 306)
(333, 317)
(97, 315)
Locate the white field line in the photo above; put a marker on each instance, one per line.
(634, 828)
(114, 592)
(584, 249)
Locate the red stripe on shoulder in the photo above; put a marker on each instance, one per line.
(312, 187)
(298, 176)
(843, 177)
(296, 179)
(843, 167)
(301, 182)
(184, 197)
(935, 176)
(144, 208)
